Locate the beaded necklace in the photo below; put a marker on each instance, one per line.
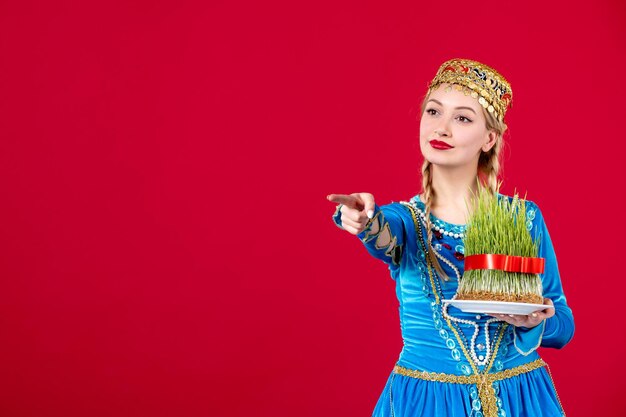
(472, 358)
(457, 234)
(480, 360)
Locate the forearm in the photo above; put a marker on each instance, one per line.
(383, 236)
(559, 328)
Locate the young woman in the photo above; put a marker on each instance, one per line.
(454, 363)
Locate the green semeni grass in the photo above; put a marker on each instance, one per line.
(498, 226)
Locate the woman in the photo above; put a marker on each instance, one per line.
(455, 363)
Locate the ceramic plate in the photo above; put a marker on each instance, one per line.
(502, 307)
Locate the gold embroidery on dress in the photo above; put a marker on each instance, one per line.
(379, 229)
(374, 227)
(486, 391)
(484, 382)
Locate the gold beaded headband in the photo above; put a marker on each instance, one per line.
(480, 81)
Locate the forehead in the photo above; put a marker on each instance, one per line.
(453, 98)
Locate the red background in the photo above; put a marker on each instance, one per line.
(167, 248)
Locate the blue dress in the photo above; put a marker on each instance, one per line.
(453, 363)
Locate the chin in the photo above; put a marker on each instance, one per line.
(442, 163)
(438, 159)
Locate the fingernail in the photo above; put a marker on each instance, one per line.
(370, 213)
(510, 315)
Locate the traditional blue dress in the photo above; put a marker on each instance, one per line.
(453, 363)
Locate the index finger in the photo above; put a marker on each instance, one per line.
(346, 200)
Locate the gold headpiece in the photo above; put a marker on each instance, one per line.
(478, 80)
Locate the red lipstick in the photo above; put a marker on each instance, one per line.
(440, 145)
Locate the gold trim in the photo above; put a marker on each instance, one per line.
(384, 234)
(370, 233)
(484, 382)
(391, 248)
(418, 231)
(378, 230)
(482, 379)
(555, 391)
(476, 79)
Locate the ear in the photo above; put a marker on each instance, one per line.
(491, 141)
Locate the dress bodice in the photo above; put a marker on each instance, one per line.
(441, 338)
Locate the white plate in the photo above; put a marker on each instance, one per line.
(501, 307)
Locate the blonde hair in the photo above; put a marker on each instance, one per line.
(488, 165)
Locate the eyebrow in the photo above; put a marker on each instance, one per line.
(456, 108)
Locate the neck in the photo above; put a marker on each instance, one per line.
(453, 186)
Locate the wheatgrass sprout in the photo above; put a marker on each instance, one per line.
(498, 226)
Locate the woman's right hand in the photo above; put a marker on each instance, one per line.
(356, 210)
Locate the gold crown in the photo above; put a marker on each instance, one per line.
(480, 81)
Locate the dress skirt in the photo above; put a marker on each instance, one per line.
(531, 394)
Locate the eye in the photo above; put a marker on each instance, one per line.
(428, 111)
(465, 118)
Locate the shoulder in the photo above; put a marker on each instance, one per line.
(400, 208)
(406, 210)
(401, 205)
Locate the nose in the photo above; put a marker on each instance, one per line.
(442, 127)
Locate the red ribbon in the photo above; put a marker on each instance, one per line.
(523, 264)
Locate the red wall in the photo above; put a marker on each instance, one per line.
(166, 245)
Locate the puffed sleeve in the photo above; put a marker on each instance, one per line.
(558, 330)
(384, 235)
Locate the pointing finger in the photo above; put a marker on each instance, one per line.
(346, 200)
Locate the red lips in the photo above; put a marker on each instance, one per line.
(437, 144)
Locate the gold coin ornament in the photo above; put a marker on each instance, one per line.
(476, 79)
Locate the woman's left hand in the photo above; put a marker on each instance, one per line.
(530, 320)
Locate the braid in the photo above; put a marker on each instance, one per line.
(491, 167)
(429, 197)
